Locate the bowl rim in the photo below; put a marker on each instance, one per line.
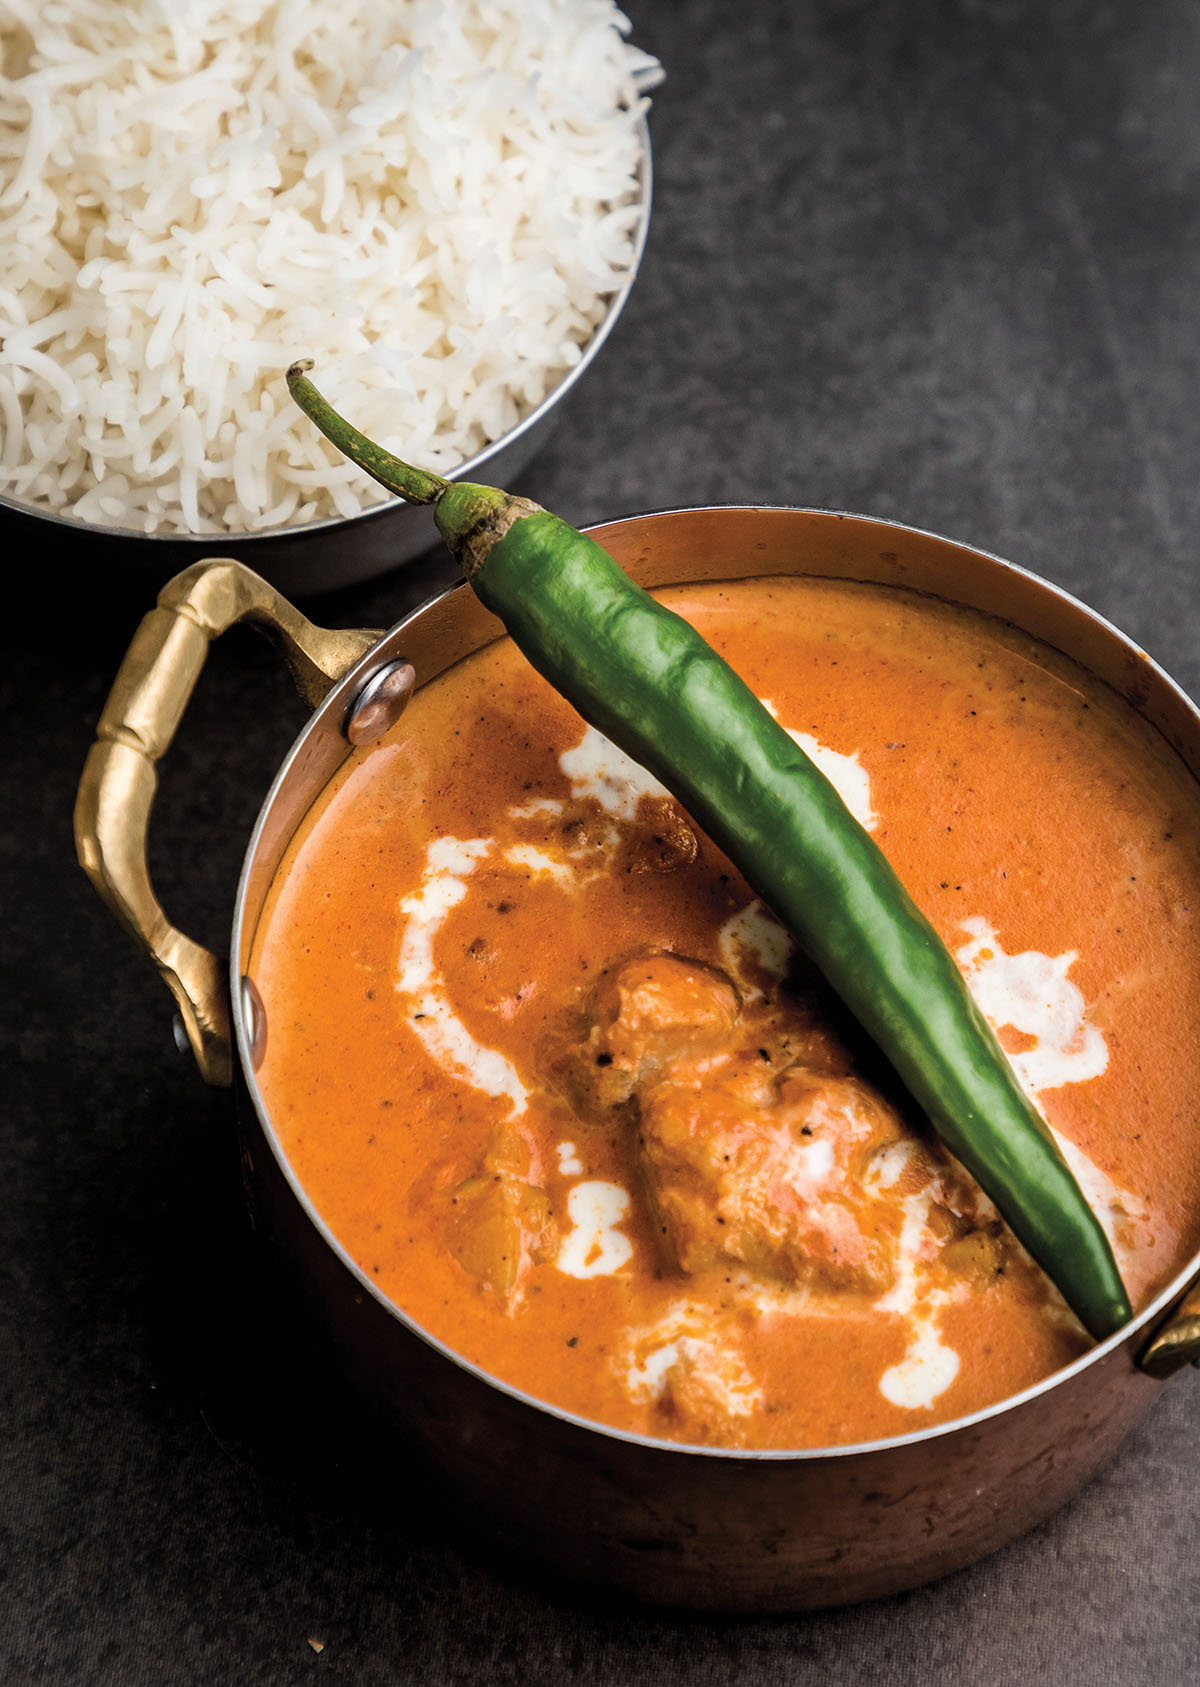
(463, 471)
(244, 1066)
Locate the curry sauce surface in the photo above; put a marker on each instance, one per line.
(567, 1096)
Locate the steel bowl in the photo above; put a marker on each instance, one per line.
(703, 1526)
(317, 556)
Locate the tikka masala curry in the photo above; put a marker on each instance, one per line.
(572, 1100)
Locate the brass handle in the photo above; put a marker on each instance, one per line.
(1176, 1342)
(143, 712)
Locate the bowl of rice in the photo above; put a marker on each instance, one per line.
(444, 205)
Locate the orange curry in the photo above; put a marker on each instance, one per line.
(570, 1098)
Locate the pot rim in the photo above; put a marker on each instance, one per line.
(243, 1041)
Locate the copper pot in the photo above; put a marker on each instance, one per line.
(736, 1530)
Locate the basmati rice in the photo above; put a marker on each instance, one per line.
(431, 198)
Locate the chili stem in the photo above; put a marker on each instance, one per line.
(416, 486)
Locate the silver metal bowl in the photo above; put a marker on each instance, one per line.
(341, 550)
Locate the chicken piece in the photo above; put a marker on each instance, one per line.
(771, 1176)
(757, 1144)
(645, 1015)
(707, 1392)
(660, 840)
(501, 1222)
(691, 1366)
(977, 1255)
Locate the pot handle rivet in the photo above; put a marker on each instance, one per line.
(255, 1016)
(380, 702)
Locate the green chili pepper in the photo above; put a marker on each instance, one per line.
(652, 685)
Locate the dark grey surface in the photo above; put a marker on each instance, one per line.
(937, 261)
